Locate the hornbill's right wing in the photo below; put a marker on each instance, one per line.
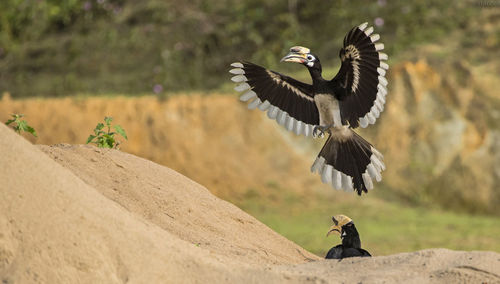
(360, 82)
(288, 101)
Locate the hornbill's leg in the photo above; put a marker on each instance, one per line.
(321, 129)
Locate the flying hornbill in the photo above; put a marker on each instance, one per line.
(351, 244)
(354, 97)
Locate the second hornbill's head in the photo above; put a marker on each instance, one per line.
(303, 55)
(344, 226)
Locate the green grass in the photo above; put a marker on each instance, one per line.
(385, 227)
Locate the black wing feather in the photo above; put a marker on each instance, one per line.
(292, 98)
(340, 252)
(358, 81)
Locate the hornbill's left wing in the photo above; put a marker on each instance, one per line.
(360, 82)
(288, 101)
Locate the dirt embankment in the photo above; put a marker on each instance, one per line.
(439, 134)
(78, 214)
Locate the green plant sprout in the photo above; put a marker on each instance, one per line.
(20, 124)
(106, 139)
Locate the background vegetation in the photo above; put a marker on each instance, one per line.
(63, 47)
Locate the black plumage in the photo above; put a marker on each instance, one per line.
(348, 156)
(354, 97)
(265, 84)
(351, 243)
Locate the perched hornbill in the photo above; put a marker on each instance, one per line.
(355, 96)
(351, 244)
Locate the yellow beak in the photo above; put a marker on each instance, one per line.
(297, 54)
(334, 228)
(295, 57)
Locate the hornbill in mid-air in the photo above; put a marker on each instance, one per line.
(351, 244)
(354, 97)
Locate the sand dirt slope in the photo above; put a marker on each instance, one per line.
(177, 204)
(56, 228)
(86, 215)
(426, 266)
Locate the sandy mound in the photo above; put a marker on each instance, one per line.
(103, 216)
(56, 228)
(177, 204)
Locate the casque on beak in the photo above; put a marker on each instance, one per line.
(297, 54)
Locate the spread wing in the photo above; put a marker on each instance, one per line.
(288, 101)
(360, 82)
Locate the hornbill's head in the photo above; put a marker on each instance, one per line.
(303, 55)
(344, 226)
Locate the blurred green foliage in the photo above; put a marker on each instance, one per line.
(62, 47)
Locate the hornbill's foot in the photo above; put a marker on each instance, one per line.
(319, 130)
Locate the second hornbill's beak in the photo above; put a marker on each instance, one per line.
(338, 221)
(334, 228)
(297, 54)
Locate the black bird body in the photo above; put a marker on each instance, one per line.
(351, 243)
(354, 97)
(326, 95)
(340, 252)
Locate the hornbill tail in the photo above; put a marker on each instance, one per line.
(349, 162)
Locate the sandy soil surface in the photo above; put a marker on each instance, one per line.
(78, 214)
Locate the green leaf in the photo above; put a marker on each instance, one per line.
(97, 129)
(9, 121)
(110, 142)
(107, 141)
(108, 120)
(22, 125)
(121, 131)
(99, 126)
(101, 142)
(31, 130)
(91, 137)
